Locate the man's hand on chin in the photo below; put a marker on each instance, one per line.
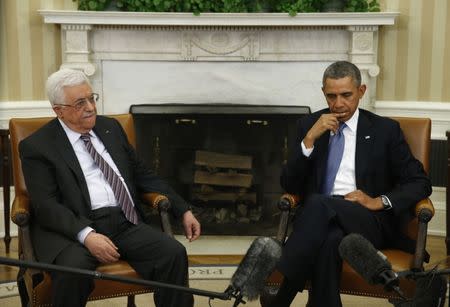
(101, 247)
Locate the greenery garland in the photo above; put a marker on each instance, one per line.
(227, 6)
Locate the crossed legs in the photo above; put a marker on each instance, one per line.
(311, 251)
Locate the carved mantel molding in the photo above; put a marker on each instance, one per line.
(217, 19)
(91, 39)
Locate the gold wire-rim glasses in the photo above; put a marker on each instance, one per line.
(82, 102)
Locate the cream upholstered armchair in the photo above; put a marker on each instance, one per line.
(35, 285)
(417, 132)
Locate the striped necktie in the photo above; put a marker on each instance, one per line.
(117, 185)
(335, 152)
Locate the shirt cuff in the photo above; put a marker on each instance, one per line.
(81, 236)
(306, 151)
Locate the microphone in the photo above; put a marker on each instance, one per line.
(370, 263)
(250, 276)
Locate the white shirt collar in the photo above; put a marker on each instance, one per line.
(352, 123)
(73, 135)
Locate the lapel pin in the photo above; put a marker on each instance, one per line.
(107, 131)
(367, 137)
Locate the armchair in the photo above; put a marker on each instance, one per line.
(417, 133)
(36, 285)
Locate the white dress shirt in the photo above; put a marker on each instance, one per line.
(345, 181)
(100, 192)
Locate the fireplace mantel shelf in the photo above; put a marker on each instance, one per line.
(217, 19)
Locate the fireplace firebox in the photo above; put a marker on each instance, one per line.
(224, 159)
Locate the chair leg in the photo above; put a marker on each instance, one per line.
(130, 301)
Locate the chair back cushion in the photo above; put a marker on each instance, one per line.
(417, 133)
(19, 129)
(126, 120)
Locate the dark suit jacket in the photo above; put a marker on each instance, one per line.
(384, 164)
(57, 187)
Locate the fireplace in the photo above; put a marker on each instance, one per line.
(225, 160)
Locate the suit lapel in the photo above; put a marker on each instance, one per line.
(62, 144)
(113, 146)
(364, 142)
(321, 148)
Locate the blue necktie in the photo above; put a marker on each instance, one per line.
(335, 152)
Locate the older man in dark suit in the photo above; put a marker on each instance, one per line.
(356, 174)
(84, 178)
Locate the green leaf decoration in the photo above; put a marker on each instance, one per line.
(292, 7)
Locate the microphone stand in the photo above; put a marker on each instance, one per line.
(391, 282)
(416, 274)
(226, 296)
(236, 293)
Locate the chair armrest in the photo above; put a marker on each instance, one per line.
(162, 203)
(20, 211)
(156, 200)
(20, 215)
(288, 201)
(424, 211)
(285, 204)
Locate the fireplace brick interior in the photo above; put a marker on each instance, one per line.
(169, 136)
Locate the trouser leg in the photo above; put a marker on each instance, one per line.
(327, 270)
(286, 294)
(154, 255)
(71, 290)
(310, 229)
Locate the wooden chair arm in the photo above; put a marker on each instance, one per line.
(20, 215)
(20, 211)
(288, 201)
(424, 211)
(156, 200)
(425, 206)
(285, 204)
(162, 203)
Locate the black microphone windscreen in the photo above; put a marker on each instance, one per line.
(259, 261)
(362, 256)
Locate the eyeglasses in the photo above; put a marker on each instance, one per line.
(81, 103)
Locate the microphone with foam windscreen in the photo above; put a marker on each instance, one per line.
(260, 260)
(370, 263)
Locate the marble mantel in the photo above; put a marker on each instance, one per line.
(261, 59)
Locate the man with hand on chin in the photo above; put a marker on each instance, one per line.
(355, 173)
(84, 180)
